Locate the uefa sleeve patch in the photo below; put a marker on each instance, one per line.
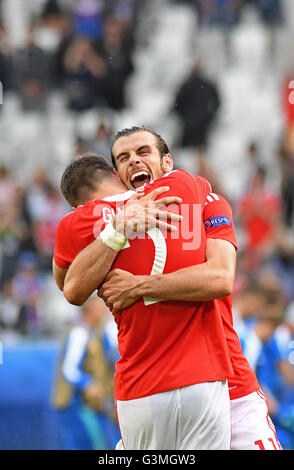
(217, 222)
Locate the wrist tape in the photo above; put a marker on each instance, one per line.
(112, 238)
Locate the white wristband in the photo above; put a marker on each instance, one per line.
(112, 238)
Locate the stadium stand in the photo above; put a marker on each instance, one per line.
(58, 64)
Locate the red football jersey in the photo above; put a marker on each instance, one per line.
(163, 344)
(218, 222)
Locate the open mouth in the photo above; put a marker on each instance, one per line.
(139, 178)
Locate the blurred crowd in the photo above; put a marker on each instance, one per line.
(84, 49)
(227, 12)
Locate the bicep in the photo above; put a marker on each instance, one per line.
(59, 275)
(221, 254)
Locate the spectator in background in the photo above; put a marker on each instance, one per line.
(83, 391)
(288, 105)
(247, 304)
(284, 336)
(45, 208)
(8, 187)
(259, 216)
(271, 11)
(66, 37)
(286, 150)
(115, 51)
(218, 12)
(14, 228)
(6, 53)
(27, 290)
(88, 18)
(261, 330)
(80, 146)
(45, 227)
(249, 165)
(10, 313)
(197, 102)
(84, 74)
(101, 143)
(32, 74)
(49, 27)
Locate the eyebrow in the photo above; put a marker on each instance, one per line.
(122, 154)
(143, 147)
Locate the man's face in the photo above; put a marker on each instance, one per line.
(138, 159)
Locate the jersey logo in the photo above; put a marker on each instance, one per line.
(217, 222)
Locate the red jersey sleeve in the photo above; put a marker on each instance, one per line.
(218, 219)
(63, 250)
(79, 228)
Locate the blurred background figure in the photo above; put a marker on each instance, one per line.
(73, 72)
(83, 393)
(266, 333)
(197, 102)
(32, 74)
(260, 210)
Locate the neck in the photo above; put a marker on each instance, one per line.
(109, 188)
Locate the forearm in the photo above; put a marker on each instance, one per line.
(88, 271)
(195, 284)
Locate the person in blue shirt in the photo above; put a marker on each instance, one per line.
(266, 340)
(83, 389)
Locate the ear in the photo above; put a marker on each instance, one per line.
(167, 163)
(115, 172)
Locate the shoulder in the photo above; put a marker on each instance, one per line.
(180, 175)
(214, 199)
(217, 207)
(65, 222)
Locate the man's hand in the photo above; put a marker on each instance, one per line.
(119, 290)
(142, 213)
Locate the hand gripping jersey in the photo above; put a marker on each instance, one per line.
(164, 345)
